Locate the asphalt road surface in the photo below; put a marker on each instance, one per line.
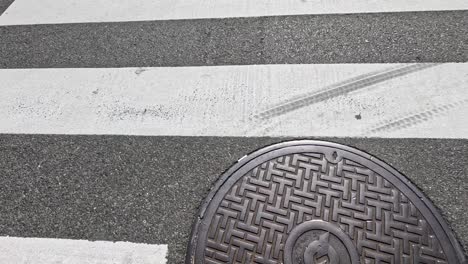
(147, 189)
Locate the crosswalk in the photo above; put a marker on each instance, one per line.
(382, 100)
(24, 12)
(46, 250)
(116, 116)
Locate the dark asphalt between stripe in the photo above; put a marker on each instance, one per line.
(354, 38)
(147, 189)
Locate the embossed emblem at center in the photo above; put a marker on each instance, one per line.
(321, 252)
(319, 242)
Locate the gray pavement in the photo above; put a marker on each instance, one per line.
(354, 38)
(147, 189)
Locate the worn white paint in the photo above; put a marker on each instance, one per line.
(20, 250)
(76, 11)
(224, 101)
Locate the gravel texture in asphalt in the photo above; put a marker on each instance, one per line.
(148, 189)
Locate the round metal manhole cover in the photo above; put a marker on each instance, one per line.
(318, 202)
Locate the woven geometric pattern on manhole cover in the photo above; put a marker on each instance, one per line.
(318, 202)
(254, 218)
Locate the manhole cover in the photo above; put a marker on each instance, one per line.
(318, 202)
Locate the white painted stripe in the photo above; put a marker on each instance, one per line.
(75, 11)
(45, 250)
(231, 100)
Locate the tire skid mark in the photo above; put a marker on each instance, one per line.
(341, 88)
(412, 119)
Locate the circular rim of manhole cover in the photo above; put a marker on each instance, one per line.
(318, 201)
